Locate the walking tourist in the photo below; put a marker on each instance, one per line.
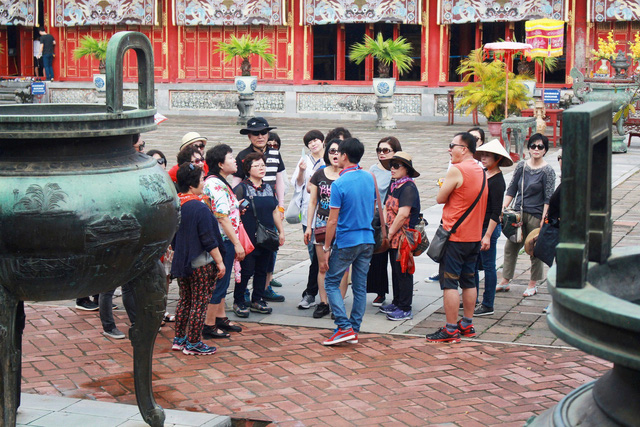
(353, 196)
(47, 52)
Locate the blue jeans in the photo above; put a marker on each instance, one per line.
(47, 60)
(105, 303)
(359, 258)
(223, 284)
(488, 261)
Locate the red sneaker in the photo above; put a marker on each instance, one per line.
(341, 335)
(469, 331)
(443, 335)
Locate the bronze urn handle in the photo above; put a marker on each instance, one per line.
(118, 45)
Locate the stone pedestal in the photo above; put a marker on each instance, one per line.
(384, 110)
(246, 107)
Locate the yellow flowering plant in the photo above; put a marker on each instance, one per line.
(606, 48)
(634, 47)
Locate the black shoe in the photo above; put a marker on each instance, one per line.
(321, 310)
(483, 310)
(224, 324)
(213, 332)
(86, 305)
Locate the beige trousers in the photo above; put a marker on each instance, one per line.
(511, 250)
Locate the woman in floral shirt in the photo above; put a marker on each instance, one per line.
(224, 205)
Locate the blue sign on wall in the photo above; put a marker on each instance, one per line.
(38, 88)
(551, 96)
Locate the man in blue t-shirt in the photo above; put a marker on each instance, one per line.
(352, 204)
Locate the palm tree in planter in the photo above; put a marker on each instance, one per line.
(486, 90)
(97, 49)
(387, 52)
(244, 47)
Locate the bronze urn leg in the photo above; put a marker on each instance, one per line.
(10, 357)
(150, 294)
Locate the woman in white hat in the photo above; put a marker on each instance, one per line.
(492, 155)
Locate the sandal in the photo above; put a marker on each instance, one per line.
(529, 292)
(503, 288)
(224, 324)
(169, 318)
(212, 332)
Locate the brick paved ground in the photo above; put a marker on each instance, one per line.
(283, 374)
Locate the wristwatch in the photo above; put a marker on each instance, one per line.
(325, 250)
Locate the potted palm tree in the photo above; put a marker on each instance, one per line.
(97, 49)
(486, 89)
(387, 52)
(244, 47)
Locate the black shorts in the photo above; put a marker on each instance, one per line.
(458, 267)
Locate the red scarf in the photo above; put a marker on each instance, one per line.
(185, 197)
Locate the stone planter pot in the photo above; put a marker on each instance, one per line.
(100, 82)
(384, 88)
(246, 85)
(495, 129)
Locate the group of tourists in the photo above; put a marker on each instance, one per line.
(232, 213)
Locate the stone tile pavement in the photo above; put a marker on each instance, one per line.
(276, 370)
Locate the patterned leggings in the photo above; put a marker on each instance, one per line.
(195, 293)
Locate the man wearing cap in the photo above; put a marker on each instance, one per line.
(188, 139)
(352, 205)
(462, 185)
(257, 131)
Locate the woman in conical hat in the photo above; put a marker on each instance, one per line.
(492, 155)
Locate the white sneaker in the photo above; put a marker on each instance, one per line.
(307, 302)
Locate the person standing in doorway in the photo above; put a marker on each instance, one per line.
(47, 44)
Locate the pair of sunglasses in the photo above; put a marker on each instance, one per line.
(384, 150)
(258, 133)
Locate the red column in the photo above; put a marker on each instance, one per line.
(433, 45)
(577, 44)
(298, 45)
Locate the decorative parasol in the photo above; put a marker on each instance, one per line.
(507, 48)
(547, 38)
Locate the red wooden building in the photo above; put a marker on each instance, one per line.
(310, 38)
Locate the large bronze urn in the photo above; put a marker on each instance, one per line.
(595, 290)
(81, 212)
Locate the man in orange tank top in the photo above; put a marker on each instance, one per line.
(462, 185)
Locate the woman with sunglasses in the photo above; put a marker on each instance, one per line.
(402, 212)
(377, 278)
(263, 208)
(319, 197)
(159, 156)
(538, 180)
(197, 261)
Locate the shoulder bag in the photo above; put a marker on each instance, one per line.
(512, 219)
(266, 238)
(438, 245)
(379, 227)
(548, 239)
